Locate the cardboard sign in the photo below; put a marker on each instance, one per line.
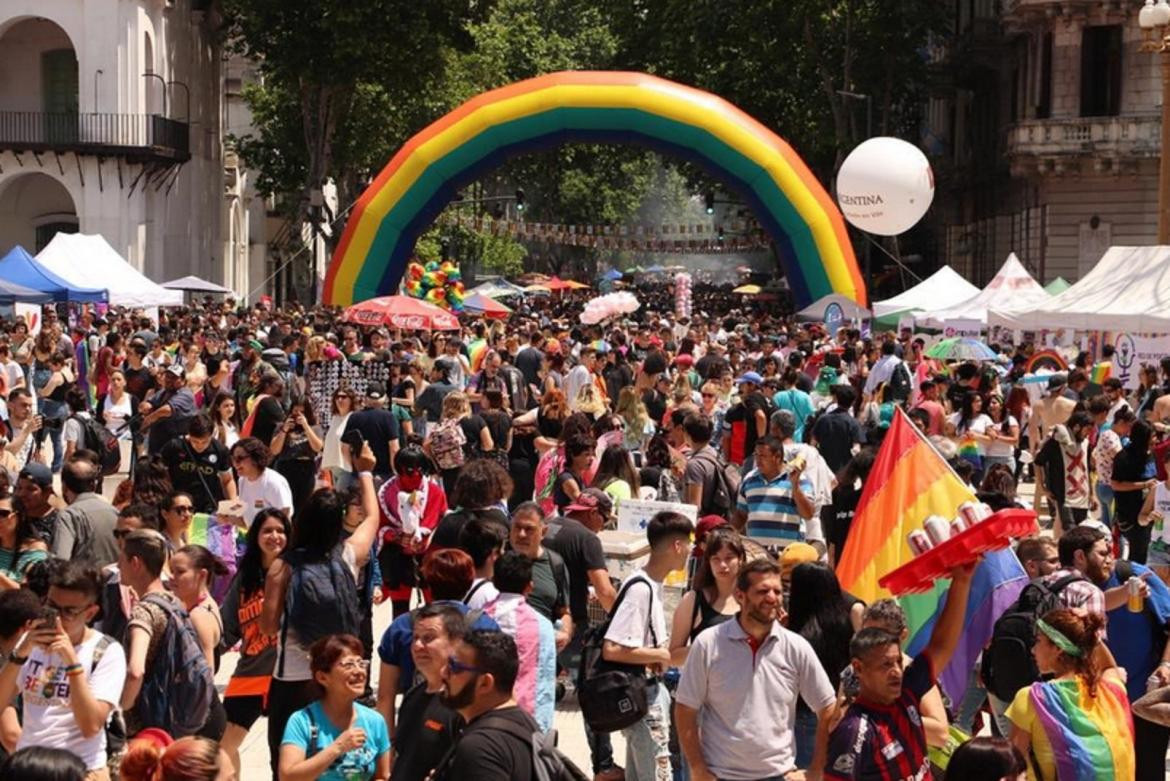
(634, 514)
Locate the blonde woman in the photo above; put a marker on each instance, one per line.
(590, 402)
(456, 417)
(639, 426)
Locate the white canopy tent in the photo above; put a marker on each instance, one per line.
(89, 260)
(1011, 288)
(943, 288)
(1128, 290)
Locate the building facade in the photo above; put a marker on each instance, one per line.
(114, 116)
(1045, 132)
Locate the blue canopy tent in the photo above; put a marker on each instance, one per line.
(12, 293)
(22, 269)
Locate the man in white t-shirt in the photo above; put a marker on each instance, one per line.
(69, 676)
(637, 635)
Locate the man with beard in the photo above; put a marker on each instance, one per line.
(748, 719)
(881, 734)
(478, 685)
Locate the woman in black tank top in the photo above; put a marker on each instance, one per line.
(710, 602)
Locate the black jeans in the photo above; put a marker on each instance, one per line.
(1150, 742)
(1138, 537)
(284, 699)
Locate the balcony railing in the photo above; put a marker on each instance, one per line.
(1119, 137)
(134, 136)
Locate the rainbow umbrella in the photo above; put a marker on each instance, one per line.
(478, 304)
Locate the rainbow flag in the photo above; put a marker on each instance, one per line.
(1101, 372)
(909, 482)
(1090, 737)
(476, 350)
(969, 449)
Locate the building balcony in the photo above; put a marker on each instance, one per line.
(1066, 145)
(142, 138)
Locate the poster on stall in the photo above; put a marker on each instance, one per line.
(1134, 351)
(31, 313)
(634, 514)
(962, 327)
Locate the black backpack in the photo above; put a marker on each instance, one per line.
(322, 597)
(1008, 665)
(900, 382)
(612, 695)
(99, 439)
(179, 686)
(724, 486)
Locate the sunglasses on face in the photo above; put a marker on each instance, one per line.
(5, 513)
(183, 509)
(454, 666)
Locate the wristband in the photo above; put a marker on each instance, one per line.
(74, 669)
(12, 657)
(366, 474)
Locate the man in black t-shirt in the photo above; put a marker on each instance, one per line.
(200, 466)
(478, 685)
(139, 379)
(425, 726)
(379, 427)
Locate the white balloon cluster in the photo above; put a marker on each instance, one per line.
(682, 294)
(609, 305)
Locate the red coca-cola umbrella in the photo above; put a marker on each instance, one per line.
(401, 312)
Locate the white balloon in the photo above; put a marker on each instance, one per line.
(885, 186)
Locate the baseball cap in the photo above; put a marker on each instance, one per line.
(255, 345)
(177, 370)
(592, 499)
(39, 474)
(1057, 381)
(376, 391)
(752, 377)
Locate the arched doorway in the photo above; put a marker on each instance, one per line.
(40, 65)
(593, 106)
(34, 207)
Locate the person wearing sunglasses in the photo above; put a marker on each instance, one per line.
(69, 677)
(20, 547)
(177, 514)
(336, 738)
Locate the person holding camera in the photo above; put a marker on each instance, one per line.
(295, 446)
(69, 677)
(24, 425)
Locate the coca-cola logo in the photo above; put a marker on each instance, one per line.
(408, 321)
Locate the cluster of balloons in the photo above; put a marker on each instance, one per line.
(682, 295)
(436, 283)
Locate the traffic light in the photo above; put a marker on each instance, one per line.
(519, 200)
(709, 198)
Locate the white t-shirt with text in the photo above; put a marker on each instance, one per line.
(44, 688)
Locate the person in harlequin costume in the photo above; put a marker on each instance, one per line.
(411, 504)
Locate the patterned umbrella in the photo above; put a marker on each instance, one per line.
(961, 349)
(401, 312)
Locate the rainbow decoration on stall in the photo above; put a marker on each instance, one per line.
(909, 482)
(594, 107)
(1049, 360)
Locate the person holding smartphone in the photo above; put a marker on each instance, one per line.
(69, 676)
(295, 446)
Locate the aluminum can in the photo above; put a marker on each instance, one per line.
(938, 529)
(918, 541)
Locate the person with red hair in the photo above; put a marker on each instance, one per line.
(152, 756)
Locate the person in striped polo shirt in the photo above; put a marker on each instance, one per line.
(774, 505)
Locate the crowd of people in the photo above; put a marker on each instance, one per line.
(291, 475)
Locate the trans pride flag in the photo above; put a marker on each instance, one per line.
(909, 482)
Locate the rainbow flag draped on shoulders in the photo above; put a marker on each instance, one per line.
(1090, 737)
(909, 482)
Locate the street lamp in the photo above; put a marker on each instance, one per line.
(1154, 20)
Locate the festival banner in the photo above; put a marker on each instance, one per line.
(909, 482)
(961, 327)
(1132, 352)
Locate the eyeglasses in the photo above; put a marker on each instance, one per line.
(708, 395)
(354, 665)
(238, 458)
(66, 610)
(5, 513)
(183, 509)
(454, 666)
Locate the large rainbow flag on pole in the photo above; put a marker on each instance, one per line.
(909, 482)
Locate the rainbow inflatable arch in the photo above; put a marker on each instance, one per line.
(598, 107)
